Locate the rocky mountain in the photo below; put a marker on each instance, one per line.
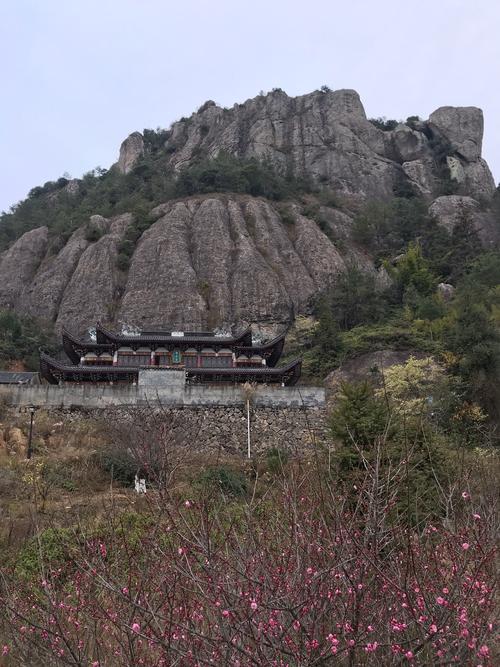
(230, 259)
(327, 136)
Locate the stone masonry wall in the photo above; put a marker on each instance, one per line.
(208, 418)
(224, 429)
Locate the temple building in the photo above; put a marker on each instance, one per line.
(202, 355)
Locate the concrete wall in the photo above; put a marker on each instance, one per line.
(162, 378)
(100, 396)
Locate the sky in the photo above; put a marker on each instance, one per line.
(78, 76)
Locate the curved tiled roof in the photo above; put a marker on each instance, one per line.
(105, 336)
(53, 370)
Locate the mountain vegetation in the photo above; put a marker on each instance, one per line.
(110, 192)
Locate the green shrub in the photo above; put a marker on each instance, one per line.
(119, 464)
(413, 121)
(414, 492)
(92, 233)
(48, 550)
(384, 124)
(408, 454)
(227, 173)
(412, 271)
(329, 198)
(354, 300)
(22, 337)
(387, 335)
(227, 481)
(122, 261)
(360, 417)
(286, 214)
(276, 460)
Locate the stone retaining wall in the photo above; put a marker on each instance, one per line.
(210, 418)
(220, 429)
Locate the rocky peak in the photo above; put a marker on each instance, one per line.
(462, 127)
(130, 151)
(326, 136)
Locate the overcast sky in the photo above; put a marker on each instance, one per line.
(77, 76)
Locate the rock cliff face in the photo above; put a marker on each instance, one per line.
(206, 262)
(327, 136)
(93, 289)
(216, 261)
(19, 264)
(130, 151)
(229, 260)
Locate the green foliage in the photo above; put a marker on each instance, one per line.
(463, 247)
(410, 388)
(43, 552)
(104, 193)
(21, 338)
(225, 480)
(412, 273)
(423, 466)
(286, 214)
(327, 342)
(392, 334)
(148, 184)
(154, 139)
(119, 464)
(354, 300)
(360, 417)
(475, 340)
(403, 187)
(329, 198)
(374, 437)
(484, 273)
(384, 124)
(276, 460)
(92, 233)
(227, 173)
(389, 329)
(133, 526)
(386, 228)
(412, 121)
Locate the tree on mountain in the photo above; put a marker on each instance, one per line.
(475, 340)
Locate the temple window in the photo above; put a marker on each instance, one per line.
(191, 358)
(127, 357)
(256, 360)
(90, 359)
(105, 360)
(162, 357)
(207, 358)
(225, 358)
(242, 360)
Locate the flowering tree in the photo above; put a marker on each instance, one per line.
(296, 575)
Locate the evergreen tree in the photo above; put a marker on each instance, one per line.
(412, 273)
(475, 341)
(355, 300)
(360, 417)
